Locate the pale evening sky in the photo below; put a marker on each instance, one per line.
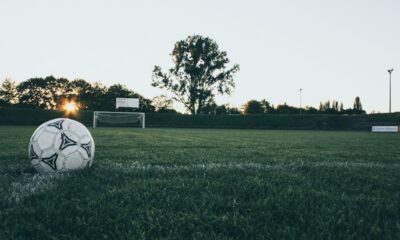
(333, 50)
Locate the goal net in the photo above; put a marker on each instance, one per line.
(118, 118)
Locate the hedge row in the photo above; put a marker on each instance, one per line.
(265, 121)
(20, 116)
(34, 116)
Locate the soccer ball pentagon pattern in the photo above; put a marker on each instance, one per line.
(61, 145)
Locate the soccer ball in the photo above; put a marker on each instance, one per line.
(61, 145)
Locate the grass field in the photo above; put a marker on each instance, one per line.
(207, 184)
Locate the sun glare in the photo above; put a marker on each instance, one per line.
(70, 107)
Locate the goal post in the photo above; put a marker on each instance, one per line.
(118, 118)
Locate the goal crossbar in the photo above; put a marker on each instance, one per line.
(118, 117)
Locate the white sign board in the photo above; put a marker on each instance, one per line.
(127, 103)
(385, 128)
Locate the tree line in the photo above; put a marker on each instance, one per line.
(52, 93)
(328, 107)
(200, 71)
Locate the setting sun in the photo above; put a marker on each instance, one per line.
(70, 107)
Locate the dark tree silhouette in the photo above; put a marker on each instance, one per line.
(57, 90)
(93, 97)
(310, 110)
(233, 110)
(286, 109)
(45, 93)
(335, 105)
(357, 106)
(32, 93)
(78, 90)
(268, 108)
(253, 106)
(8, 92)
(221, 110)
(199, 72)
(209, 108)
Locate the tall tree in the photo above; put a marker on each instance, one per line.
(286, 109)
(32, 93)
(199, 73)
(357, 106)
(253, 106)
(45, 93)
(341, 108)
(325, 107)
(233, 110)
(335, 106)
(78, 91)
(57, 90)
(268, 108)
(8, 92)
(209, 108)
(94, 96)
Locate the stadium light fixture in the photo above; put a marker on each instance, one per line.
(390, 89)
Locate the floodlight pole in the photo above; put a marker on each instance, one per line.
(300, 98)
(390, 89)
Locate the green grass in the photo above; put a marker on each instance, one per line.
(207, 184)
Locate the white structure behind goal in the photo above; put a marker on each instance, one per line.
(118, 118)
(126, 103)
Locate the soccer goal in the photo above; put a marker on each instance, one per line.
(115, 118)
(118, 118)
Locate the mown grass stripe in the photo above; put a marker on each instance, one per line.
(221, 166)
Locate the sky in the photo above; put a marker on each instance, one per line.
(333, 50)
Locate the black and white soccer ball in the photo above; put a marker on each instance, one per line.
(61, 145)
